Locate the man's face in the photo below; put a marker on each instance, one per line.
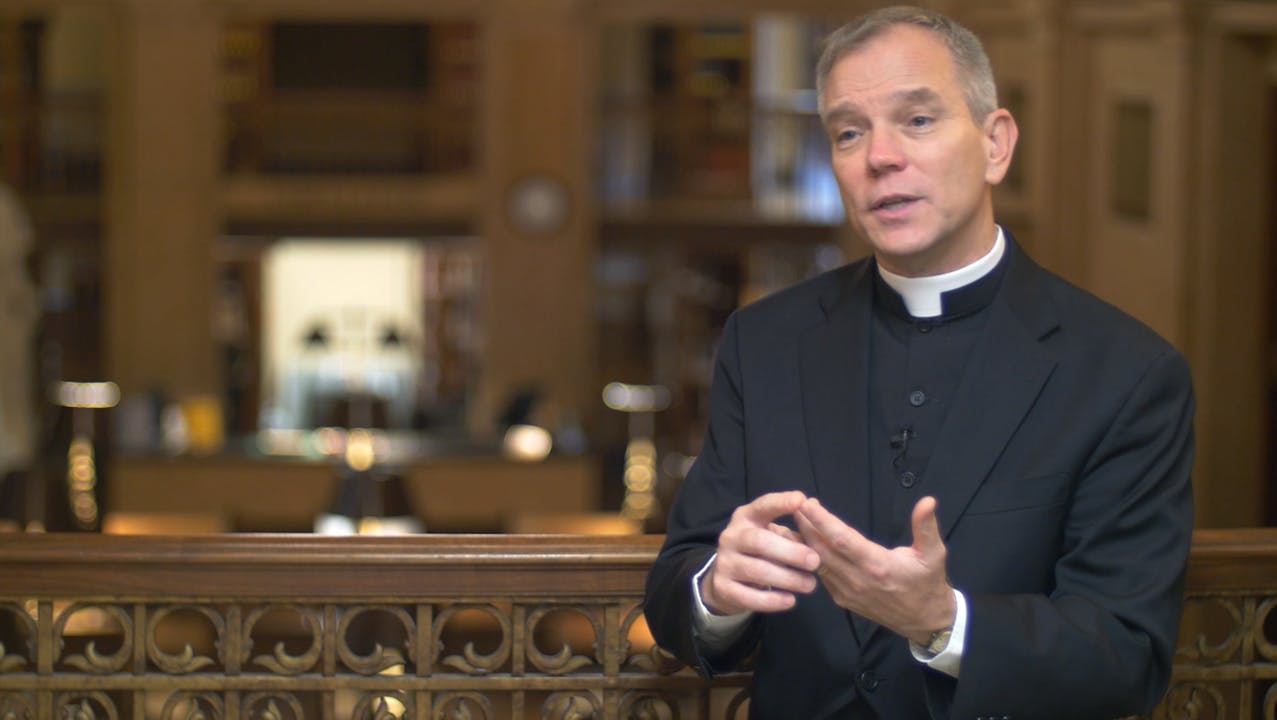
(914, 168)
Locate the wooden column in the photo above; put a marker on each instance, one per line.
(537, 79)
(1177, 243)
(161, 197)
(1230, 247)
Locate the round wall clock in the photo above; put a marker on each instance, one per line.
(538, 204)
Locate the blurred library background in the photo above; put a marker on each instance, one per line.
(307, 265)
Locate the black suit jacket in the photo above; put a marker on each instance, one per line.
(1064, 498)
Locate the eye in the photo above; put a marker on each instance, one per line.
(846, 135)
(921, 121)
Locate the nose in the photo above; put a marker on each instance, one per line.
(884, 152)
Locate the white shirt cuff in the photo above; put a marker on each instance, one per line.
(948, 660)
(715, 631)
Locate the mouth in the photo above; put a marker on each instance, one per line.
(891, 203)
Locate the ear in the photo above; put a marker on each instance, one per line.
(1000, 135)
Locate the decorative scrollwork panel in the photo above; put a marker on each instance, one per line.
(272, 706)
(82, 629)
(579, 705)
(462, 706)
(384, 706)
(473, 626)
(1265, 633)
(17, 639)
(1213, 630)
(648, 705)
(17, 706)
(284, 639)
(193, 706)
(1198, 700)
(578, 630)
(85, 706)
(375, 638)
(1270, 703)
(641, 653)
(199, 630)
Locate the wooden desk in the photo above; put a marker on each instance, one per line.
(471, 493)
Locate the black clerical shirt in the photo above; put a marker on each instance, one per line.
(916, 368)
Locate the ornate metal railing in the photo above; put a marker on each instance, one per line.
(290, 627)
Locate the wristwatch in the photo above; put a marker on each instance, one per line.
(939, 641)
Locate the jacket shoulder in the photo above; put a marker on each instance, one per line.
(1088, 316)
(801, 303)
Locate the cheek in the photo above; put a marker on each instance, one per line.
(962, 176)
(846, 179)
(967, 164)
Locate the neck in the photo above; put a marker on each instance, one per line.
(923, 295)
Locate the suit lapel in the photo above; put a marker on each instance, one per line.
(834, 357)
(1005, 375)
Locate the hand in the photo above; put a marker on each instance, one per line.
(904, 589)
(760, 564)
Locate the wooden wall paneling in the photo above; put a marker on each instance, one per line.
(1206, 105)
(162, 212)
(1023, 42)
(681, 10)
(1133, 258)
(1228, 251)
(537, 110)
(343, 10)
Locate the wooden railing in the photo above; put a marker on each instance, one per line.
(1226, 662)
(291, 627)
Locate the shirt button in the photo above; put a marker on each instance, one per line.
(917, 398)
(868, 681)
(924, 327)
(908, 479)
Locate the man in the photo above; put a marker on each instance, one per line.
(939, 482)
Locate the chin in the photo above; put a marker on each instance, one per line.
(905, 249)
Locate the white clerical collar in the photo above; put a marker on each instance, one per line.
(922, 294)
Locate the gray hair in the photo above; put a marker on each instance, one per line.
(974, 70)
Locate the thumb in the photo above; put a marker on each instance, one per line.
(926, 529)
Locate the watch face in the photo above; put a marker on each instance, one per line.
(538, 205)
(939, 642)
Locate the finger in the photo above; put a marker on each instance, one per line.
(766, 508)
(926, 529)
(782, 548)
(811, 535)
(832, 530)
(828, 570)
(763, 599)
(787, 533)
(816, 541)
(769, 575)
(760, 588)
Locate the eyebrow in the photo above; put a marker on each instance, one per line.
(839, 113)
(917, 96)
(911, 96)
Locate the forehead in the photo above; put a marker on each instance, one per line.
(900, 56)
